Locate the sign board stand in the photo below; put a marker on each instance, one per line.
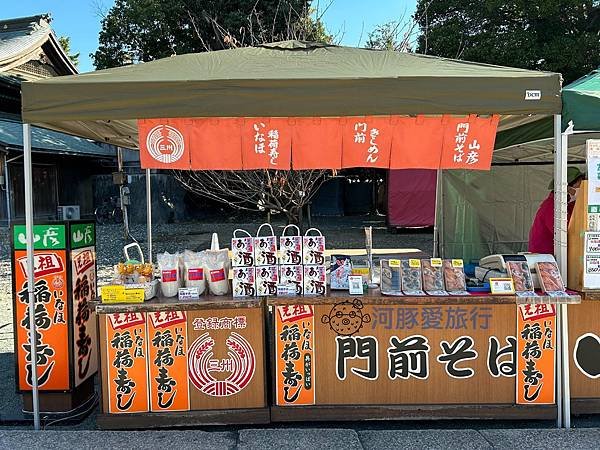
(65, 328)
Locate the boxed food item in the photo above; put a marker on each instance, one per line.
(267, 278)
(433, 277)
(242, 249)
(412, 282)
(454, 277)
(550, 279)
(244, 282)
(391, 278)
(315, 280)
(361, 267)
(265, 248)
(521, 276)
(341, 269)
(292, 276)
(290, 247)
(313, 248)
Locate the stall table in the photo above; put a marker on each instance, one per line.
(342, 357)
(167, 363)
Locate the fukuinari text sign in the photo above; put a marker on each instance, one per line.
(284, 143)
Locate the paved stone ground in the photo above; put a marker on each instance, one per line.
(305, 438)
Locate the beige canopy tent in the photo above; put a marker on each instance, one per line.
(290, 78)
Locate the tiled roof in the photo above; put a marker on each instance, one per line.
(11, 135)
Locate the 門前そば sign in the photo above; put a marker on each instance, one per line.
(365, 353)
(50, 316)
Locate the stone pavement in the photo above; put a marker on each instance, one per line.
(306, 438)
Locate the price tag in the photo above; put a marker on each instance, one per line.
(394, 263)
(457, 263)
(592, 242)
(502, 286)
(436, 262)
(592, 264)
(191, 293)
(119, 294)
(414, 263)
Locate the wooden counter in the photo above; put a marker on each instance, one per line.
(166, 363)
(342, 357)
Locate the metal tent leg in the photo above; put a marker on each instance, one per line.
(30, 271)
(149, 214)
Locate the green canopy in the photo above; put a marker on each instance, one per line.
(289, 78)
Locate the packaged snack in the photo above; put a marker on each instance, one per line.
(454, 277)
(550, 279)
(168, 266)
(216, 268)
(521, 276)
(244, 282)
(313, 248)
(433, 277)
(290, 247)
(242, 249)
(265, 248)
(341, 269)
(412, 283)
(315, 280)
(292, 275)
(391, 279)
(267, 278)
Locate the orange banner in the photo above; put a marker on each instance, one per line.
(127, 364)
(51, 317)
(216, 144)
(417, 143)
(167, 355)
(366, 141)
(294, 353)
(468, 142)
(316, 143)
(164, 143)
(536, 354)
(266, 144)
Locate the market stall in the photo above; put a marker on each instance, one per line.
(296, 105)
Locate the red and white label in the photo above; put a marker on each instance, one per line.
(217, 275)
(169, 275)
(196, 274)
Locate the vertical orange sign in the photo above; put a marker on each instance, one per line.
(316, 143)
(164, 143)
(216, 144)
(536, 354)
(417, 143)
(294, 351)
(127, 366)
(468, 142)
(367, 142)
(167, 357)
(51, 316)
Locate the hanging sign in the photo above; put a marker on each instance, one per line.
(366, 141)
(417, 143)
(164, 143)
(266, 144)
(468, 142)
(592, 147)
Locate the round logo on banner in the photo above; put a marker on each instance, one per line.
(165, 144)
(221, 377)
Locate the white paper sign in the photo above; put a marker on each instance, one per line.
(593, 173)
(592, 242)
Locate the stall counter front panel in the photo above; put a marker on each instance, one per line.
(171, 363)
(341, 357)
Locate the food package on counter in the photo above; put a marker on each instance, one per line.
(433, 277)
(341, 269)
(193, 270)
(216, 268)
(454, 277)
(170, 281)
(313, 248)
(265, 248)
(412, 279)
(244, 282)
(522, 279)
(242, 249)
(290, 247)
(315, 280)
(550, 279)
(292, 275)
(267, 278)
(391, 279)
(361, 267)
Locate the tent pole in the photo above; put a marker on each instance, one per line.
(436, 239)
(30, 272)
(560, 221)
(149, 214)
(564, 319)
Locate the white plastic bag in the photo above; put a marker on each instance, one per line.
(170, 281)
(216, 268)
(194, 270)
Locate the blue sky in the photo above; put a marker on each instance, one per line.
(79, 19)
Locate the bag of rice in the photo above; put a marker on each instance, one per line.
(170, 281)
(193, 274)
(216, 268)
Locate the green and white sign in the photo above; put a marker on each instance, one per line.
(45, 237)
(83, 235)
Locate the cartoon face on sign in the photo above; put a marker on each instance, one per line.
(346, 318)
